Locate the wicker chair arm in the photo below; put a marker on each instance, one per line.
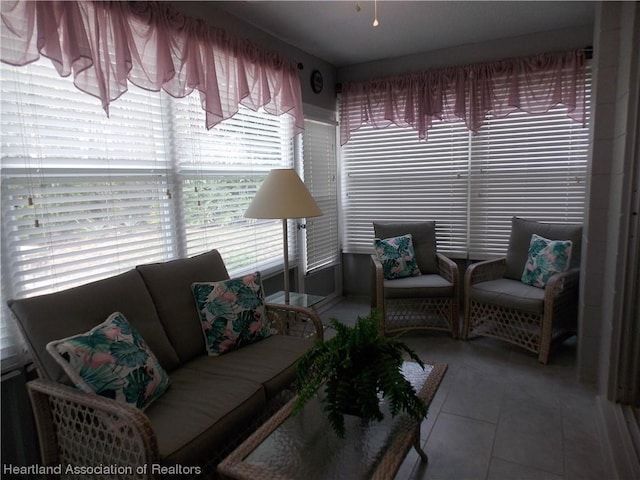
(296, 321)
(484, 272)
(377, 284)
(562, 287)
(448, 269)
(80, 429)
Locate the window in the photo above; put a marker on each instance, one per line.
(86, 196)
(320, 176)
(532, 166)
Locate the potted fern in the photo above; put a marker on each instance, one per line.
(355, 367)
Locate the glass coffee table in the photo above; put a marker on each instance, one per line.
(303, 446)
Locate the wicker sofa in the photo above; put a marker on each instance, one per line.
(212, 401)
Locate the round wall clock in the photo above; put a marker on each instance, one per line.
(316, 81)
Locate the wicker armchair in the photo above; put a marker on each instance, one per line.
(498, 304)
(428, 301)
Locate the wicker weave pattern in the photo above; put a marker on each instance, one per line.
(411, 313)
(519, 328)
(534, 332)
(80, 429)
(432, 313)
(295, 321)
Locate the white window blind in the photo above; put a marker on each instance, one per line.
(78, 189)
(530, 166)
(86, 196)
(220, 171)
(390, 176)
(320, 176)
(527, 165)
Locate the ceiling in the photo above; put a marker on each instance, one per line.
(341, 32)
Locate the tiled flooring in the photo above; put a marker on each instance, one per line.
(499, 414)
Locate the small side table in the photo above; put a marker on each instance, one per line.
(303, 319)
(295, 299)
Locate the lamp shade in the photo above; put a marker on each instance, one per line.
(283, 195)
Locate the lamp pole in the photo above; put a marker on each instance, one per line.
(286, 260)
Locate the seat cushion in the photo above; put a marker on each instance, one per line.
(270, 362)
(169, 284)
(430, 285)
(200, 413)
(509, 293)
(520, 239)
(423, 236)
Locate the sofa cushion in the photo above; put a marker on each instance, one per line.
(423, 235)
(521, 231)
(429, 285)
(397, 256)
(270, 362)
(508, 293)
(77, 310)
(201, 413)
(232, 312)
(545, 259)
(169, 284)
(112, 360)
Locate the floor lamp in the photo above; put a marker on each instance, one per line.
(283, 195)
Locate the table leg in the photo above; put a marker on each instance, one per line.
(416, 445)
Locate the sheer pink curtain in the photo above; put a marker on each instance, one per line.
(533, 84)
(105, 45)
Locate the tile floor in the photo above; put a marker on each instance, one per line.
(499, 414)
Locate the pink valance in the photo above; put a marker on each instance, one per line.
(469, 93)
(105, 45)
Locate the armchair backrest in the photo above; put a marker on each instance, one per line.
(521, 231)
(423, 237)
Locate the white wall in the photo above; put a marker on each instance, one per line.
(551, 41)
(608, 245)
(610, 188)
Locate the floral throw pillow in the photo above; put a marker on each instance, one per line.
(397, 256)
(114, 361)
(545, 259)
(232, 312)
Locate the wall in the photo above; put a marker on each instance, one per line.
(555, 40)
(608, 243)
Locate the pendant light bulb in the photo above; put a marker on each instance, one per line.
(375, 13)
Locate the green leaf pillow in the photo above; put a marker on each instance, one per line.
(545, 259)
(232, 312)
(114, 361)
(397, 256)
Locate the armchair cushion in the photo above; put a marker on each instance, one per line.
(545, 259)
(423, 236)
(521, 232)
(429, 285)
(397, 257)
(232, 312)
(112, 360)
(511, 294)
